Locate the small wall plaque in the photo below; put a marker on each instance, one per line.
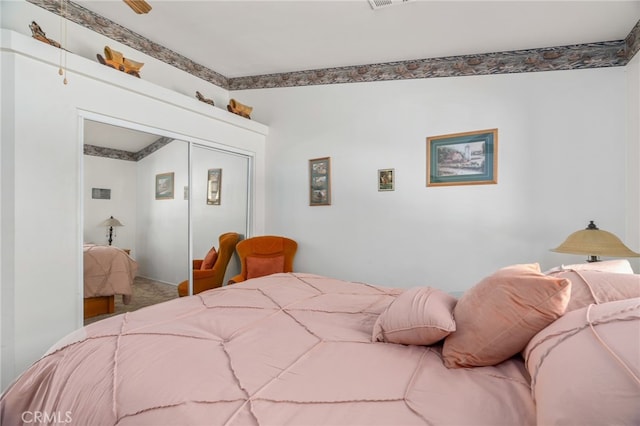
(214, 186)
(100, 194)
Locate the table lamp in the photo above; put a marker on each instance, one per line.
(595, 242)
(110, 224)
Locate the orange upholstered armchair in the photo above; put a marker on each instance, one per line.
(265, 255)
(211, 276)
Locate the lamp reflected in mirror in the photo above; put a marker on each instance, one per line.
(110, 224)
(594, 243)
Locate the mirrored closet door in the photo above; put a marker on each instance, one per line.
(142, 179)
(220, 202)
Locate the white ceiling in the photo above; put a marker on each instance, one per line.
(240, 37)
(114, 137)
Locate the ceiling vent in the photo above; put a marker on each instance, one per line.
(379, 4)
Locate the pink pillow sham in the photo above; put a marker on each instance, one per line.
(592, 286)
(419, 316)
(576, 378)
(496, 318)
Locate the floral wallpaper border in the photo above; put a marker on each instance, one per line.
(582, 56)
(595, 55)
(115, 154)
(118, 154)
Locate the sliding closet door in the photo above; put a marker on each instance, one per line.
(220, 199)
(142, 175)
(162, 243)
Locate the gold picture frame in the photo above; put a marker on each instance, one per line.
(469, 158)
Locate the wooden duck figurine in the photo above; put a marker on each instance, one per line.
(240, 109)
(114, 59)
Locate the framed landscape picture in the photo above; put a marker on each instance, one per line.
(320, 181)
(469, 158)
(164, 186)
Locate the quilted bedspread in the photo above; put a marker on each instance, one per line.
(108, 270)
(287, 349)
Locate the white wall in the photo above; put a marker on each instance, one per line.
(561, 163)
(163, 235)
(42, 184)
(118, 176)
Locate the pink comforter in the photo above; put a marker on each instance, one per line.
(288, 349)
(108, 270)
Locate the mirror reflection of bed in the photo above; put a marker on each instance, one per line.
(149, 254)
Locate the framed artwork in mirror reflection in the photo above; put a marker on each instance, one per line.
(101, 193)
(164, 186)
(214, 186)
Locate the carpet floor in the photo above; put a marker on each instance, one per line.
(145, 292)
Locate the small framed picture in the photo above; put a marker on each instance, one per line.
(100, 193)
(164, 186)
(320, 181)
(386, 179)
(214, 186)
(469, 158)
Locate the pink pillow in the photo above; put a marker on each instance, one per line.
(496, 318)
(599, 287)
(209, 259)
(576, 378)
(620, 266)
(419, 316)
(262, 266)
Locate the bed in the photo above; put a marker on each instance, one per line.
(303, 349)
(108, 271)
